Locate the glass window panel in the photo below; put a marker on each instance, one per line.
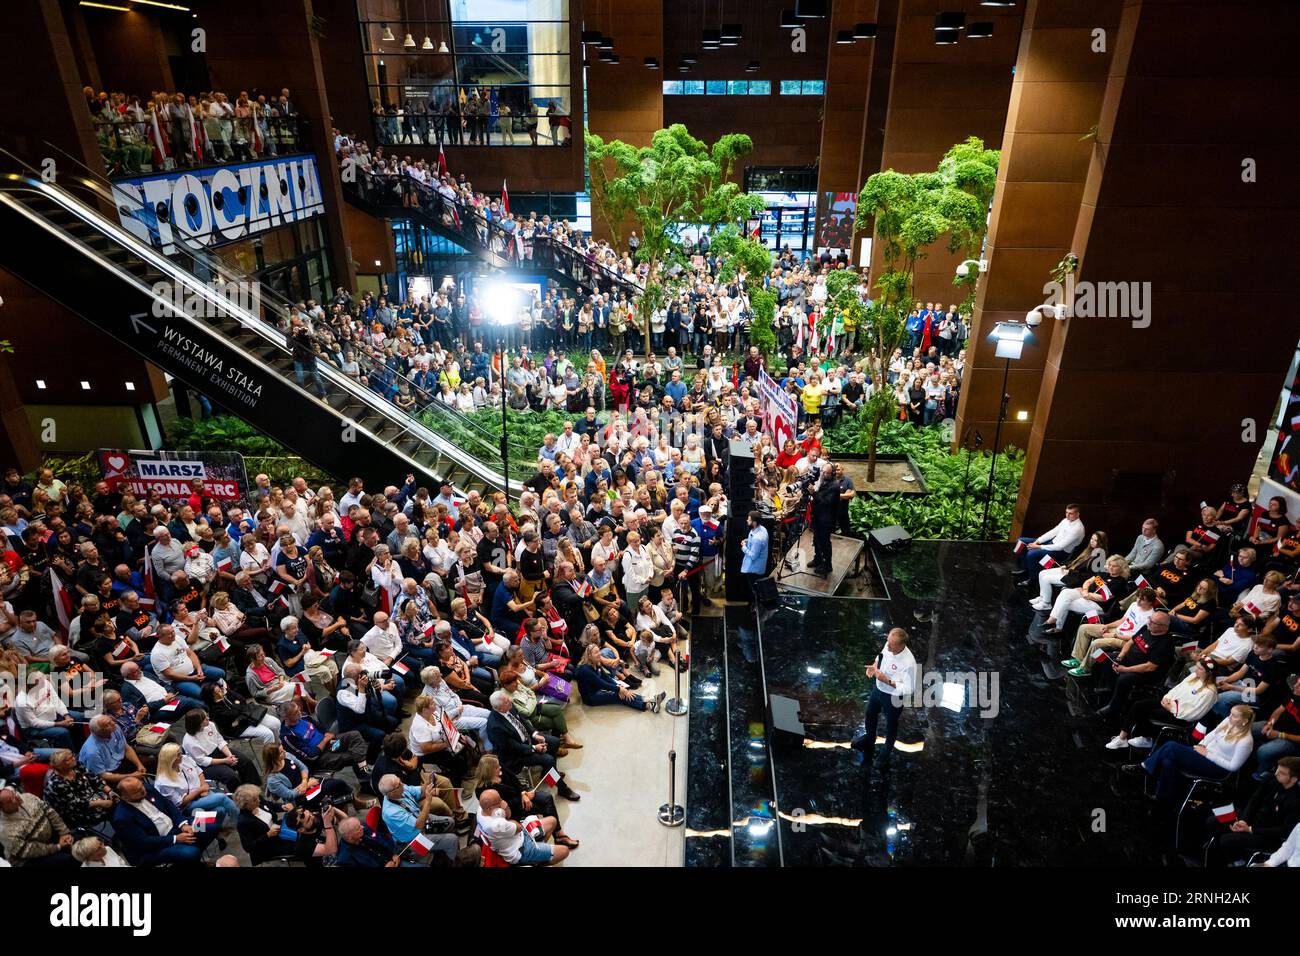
(814, 87)
(738, 87)
(760, 87)
(715, 87)
(790, 87)
(693, 87)
(672, 87)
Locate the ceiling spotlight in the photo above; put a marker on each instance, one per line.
(751, 66)
(409, 42)
(980, 31)
(844, 36)
(427, 44)
(442, 47)
(613, 59)
(711, 38)
(651, 63)
(810, 9)
(949, 21)
(997, 3)
(683, 68)
(387, 36)
(946, 37)
(731, 33)
(789, 21)
(864, 31)
(590, 36)
(690, 59)
(606, 43)
(606, 56)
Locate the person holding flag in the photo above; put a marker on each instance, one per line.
(1058, 544)
(1094, 599)
(407, 812)
(517, 842)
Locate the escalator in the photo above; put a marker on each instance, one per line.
(67, 249)
(401, 197)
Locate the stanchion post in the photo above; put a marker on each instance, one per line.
(672, 814)
(676, 706)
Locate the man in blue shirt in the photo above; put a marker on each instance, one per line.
(407, 810)
(754, 549)
(676, 389)
(107, 755)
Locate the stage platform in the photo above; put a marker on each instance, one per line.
(1007, 769)
(845, 562)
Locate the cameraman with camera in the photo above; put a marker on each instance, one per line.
(408, 812)
(825, 512)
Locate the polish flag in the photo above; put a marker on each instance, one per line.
(1047, 561)
(401, 668)
(1141, 582)
(1207, 535)
(1226, 813)
(204, 819)
(422, 845)
(225, 563)
(276, 587)
(299, 690)
(159, 728)
(442, 162)
(223, 644)
(62, 602)
(1189, 645)
(533, 824)
(1092, 619)
(505, 199)
(1099, 655)
(552, 778)
(157, 141)
(1101, 590)
(1199, 732)
(122, 649)
(1250, 608)
(170, 707)
(313, 793)
(327, 652)
(147, 576)
(1019, 548)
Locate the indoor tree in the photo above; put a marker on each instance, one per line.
(909, 213)
(677, 180)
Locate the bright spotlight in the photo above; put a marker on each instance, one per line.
(502, 302)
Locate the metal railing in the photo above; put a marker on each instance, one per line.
(129, 149)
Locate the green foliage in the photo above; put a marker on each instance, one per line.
(953, 505)
(482, 438)
(761, 334)
(222, 433)
(910, 213)
(677, 179)
(84, 470)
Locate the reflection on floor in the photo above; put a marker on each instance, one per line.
(1000, 765)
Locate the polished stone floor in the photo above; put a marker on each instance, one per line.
(1001, 764)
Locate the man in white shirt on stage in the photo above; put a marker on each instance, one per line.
(1059, 544)
(894, 673)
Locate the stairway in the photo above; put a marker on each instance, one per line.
(66, 248)
(383, 196)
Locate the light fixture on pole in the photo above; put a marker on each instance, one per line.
(1011, 339)
(1035, 315)
(963, 270)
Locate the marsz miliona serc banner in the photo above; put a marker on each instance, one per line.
(171, 473)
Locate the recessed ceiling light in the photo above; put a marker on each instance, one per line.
(980, 31)
(130, 386)
(789, 21)
(651, 63)
(40, 383)
(85, 386)
(949, 21)
(946, 37)
(844, 36)
(864, 31)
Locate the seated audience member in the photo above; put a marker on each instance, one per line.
(1092, 639)
(82, 800)
(322, 751)
(151, 830)
(93, 852)
(1288, 854)
(522, 803)
(517, 842)
(1272, 812)
(180, 780)
(1278, 735)
(1058, 543)
(260, 832)
(1285, 626)
(1142, 660)
(1223, 750)
(468, 718)
(204, 743)
(597, 685)
(106, 753)
(178, 667)
(518, 745)
(31, 833)
(407, 813)
(1188, 701)
(1089, 561)
(1094, 597)
(1237, 576)
(143, 692)
(1258, 682)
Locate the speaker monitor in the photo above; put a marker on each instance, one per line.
(891, 538)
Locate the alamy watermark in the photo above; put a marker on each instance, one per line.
(955, 690)
(216, 299)
(1100, 300)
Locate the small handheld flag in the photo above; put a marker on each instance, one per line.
(1019, 548)
(204, 819)
(1048, 561)
(1199, 732)
(422, 845)
(1226, 813)
(551, 778)
(313, 793)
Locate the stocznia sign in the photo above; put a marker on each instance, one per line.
(210, 207)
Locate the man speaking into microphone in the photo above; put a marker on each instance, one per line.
(825, 510)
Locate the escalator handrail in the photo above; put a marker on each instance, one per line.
(13, 183)
(104, 188)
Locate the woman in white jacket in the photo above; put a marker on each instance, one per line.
(1188, 701)
(1223, 751)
